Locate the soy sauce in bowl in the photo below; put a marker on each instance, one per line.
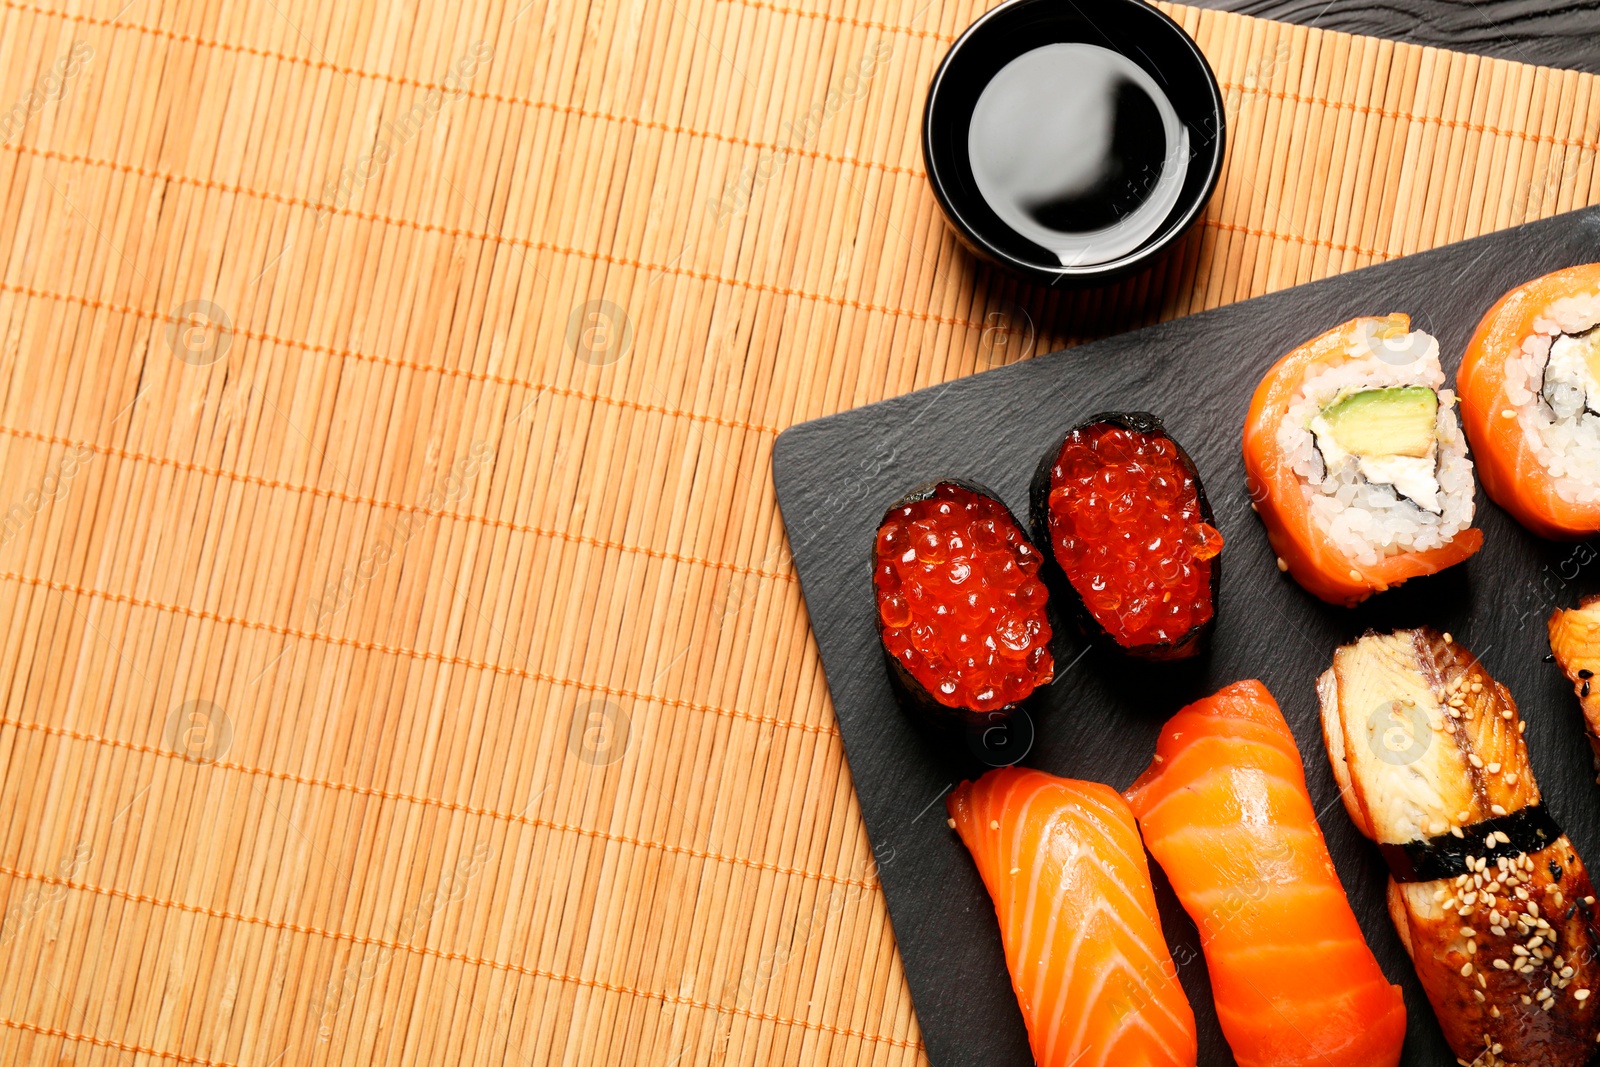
(1078, 149)
(1071, 150)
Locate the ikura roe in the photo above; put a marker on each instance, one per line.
(1130, 529)
(960, 603)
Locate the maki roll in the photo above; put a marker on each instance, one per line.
(962, 614)
(1530, 402)
(1356, 464)
(1489, 897)
(1132, 541)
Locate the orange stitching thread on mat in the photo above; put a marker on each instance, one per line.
(847, 20)
(1234, 227)
(457, 957)
(393, 361)
(295, 201)
(413, 653)
(355, 498)
(457, 91)
(1406, 116)
(443, 805)
(103, 1042)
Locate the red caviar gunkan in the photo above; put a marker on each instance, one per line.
(961, 607)
(1129, 527)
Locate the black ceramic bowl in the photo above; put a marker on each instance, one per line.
(1130, 27)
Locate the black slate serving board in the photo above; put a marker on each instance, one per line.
(835, 476)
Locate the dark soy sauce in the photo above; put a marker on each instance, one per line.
(1076, 148)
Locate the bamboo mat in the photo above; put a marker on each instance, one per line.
(401, 658)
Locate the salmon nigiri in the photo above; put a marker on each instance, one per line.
(1063, 862)
(1224, 810)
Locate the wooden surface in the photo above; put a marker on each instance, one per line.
(402, 661)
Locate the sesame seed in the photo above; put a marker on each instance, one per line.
(994, 824)
(1467, 931)
(1543, 994)
(1522, 727)
(950, 823)
(1506, 714)
(1519, 950)
(1479, 995)
(1505, 838)
(1494, 768)
(1498, 931)
(1476, 687)
(1535, 942)
(1456, 831)
(1463, 816)
(1507, 413)
(1282, 564)
(1466, 970)
(1472, 948)
(1589, 901)
(1016, 870)
(1502, 965)
(1533, 909)
(1566, 972)
(1475, 759)
(1511, 778)
(1497, 809)
(1494, 1011)
(1355, 575)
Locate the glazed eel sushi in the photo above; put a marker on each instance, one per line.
(1489, 897)
(1530, 402)
(962, 614)
(1356, 464)
(1132, 544)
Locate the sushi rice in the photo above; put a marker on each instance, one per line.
(1364, 507)
(1556, 398)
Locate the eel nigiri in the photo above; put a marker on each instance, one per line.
(1224, 810)
(1530, 402)
(1063, 863)
(1129, 538)
(1575, 641)
(1356, 463)
(962, 614)
(1488, 895)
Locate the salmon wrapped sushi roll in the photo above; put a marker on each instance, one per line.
(1063, 863)
(1530, 402)
(962, 613)
(1224, 810)
(1575, 643)
(1129, 538)
(1356, 463)
(1487, 893)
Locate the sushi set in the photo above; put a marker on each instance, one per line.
(1263, 730)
